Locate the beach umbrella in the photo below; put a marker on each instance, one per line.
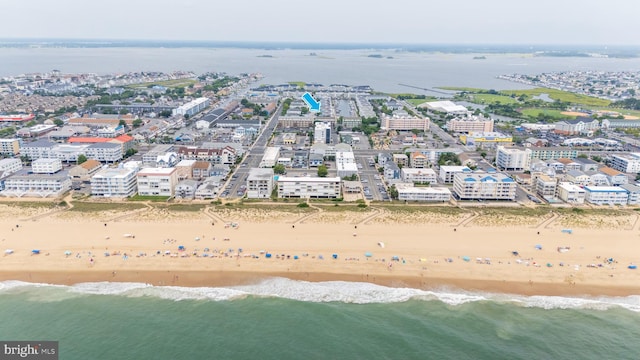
(538, 246)
(295, 257)
(515, 253)
(381, 244)
(267, 255)
(320, 257)
(395, 258)
(8, 251)
(368, 254)
(466, 258)
(632, 267)
(335, 256)
(67, 252)
(549, 265)
(181, 247)
(35, 251)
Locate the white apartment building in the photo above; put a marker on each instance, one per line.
(38, 149)
(322, 133)
(408, 192)
(114, 182)
(627, 163)
(270, 157)
(9, 147)
(192, 107)
(9, 166)
(157, 181)
(420, 176)
(571, 193)
(448, 172)
(606, 195)
(308, 187)
(545, 186)
(634, 193)
(259, 183)
(46, 166)
(470, 124)
(404, 122)
(105, 152)
(484, 187)
(509, 159)
(23, 184)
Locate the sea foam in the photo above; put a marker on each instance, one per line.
(319, 292)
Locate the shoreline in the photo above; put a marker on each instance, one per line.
(503, 254)
(213, 279)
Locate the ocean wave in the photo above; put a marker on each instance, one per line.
(319, 292)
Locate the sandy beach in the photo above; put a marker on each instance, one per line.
(224, 246)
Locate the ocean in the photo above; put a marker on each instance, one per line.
(327, 66)
(285, 319)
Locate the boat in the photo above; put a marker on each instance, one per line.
(17, 118)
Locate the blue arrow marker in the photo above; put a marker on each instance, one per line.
(311, 102)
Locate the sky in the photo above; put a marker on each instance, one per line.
(569, 22)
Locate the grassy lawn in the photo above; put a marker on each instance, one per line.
(561, 96)
(416, 102)
(492, 99)
(31, 204)
(186, 207)
(95, 206)
(557, 114)
(166, 83)
(149, 198)
(289, 207)
(400, 207)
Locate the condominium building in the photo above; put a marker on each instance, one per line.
(579, 126)
(420, 176)
(470, 124)
(46, 166)
(484, 186)
(157, 181)
(634, 193)
(545, 186)
(38, 149)
(114, 182)
(614, 177)
(510, 159)
(627, 163)
(606, 195)
(9, 147)
(448, 172)
(480, 138)
(404, 122)
(259, 183)
(419, 160)
(322, 133)
(24, 184)
(308, 187)
(571, 193)
(9, 166)
(408, 192)
(270, 157)
(192, 107)
(548, 153)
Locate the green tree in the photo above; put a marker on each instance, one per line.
(323, 171)
(279, 169)
(130, 152)
(81, 158)
(122, 123)
(448, 159)
(393, 192)
(136, 123)
(58, 122)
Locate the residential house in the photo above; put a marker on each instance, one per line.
(186, 189)
(85, 171)
(614, 177)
